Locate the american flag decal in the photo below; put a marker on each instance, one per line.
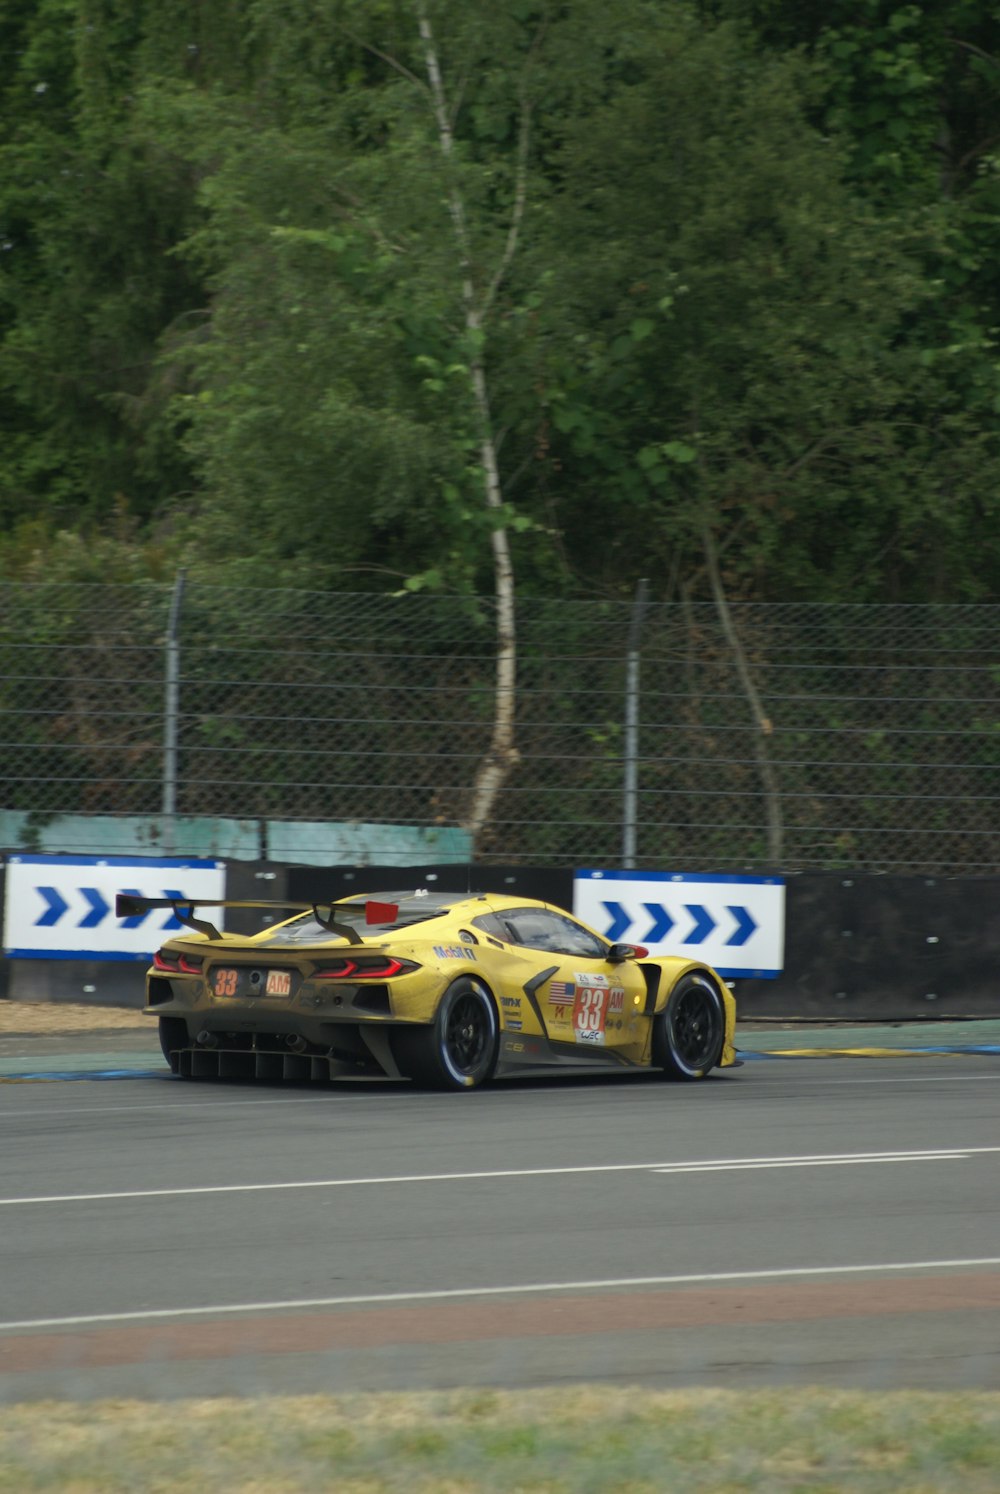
(561, 992)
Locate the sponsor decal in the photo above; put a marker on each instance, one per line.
(514, 1002)
(559, 1014)
(594, 979)
(453, 952)
(529, 1046)
(513, 1024)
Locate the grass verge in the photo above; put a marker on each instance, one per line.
(572, 1441)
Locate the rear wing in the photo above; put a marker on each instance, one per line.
(133, 905)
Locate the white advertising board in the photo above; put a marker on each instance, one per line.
(734, 923)
(63, 907)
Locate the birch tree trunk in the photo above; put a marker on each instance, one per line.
(762, 725)
(502, 754)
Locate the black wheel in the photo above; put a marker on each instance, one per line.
(689, 1033)
(459, 1048)
(173, 1035)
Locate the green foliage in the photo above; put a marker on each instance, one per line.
(753, 291)
(587, 1438)
(89, 207)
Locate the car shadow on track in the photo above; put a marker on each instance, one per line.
(379, 1086)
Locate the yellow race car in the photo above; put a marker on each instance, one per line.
(447, 989)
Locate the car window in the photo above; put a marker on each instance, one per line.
(305, 929)
(493, 924)
(540, 928)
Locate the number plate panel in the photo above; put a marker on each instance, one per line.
(590, 1012)
(250, 983)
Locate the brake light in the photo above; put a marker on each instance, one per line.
(187, 964)
(375, 969)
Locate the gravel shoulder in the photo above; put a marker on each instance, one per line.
(44, 1017)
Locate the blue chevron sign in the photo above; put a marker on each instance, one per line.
(734, 923)
(63, 907)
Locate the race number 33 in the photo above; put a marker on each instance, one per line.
(224, 983)
(589, 1012)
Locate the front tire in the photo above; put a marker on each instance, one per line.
(459, 1048)
(688, 1035)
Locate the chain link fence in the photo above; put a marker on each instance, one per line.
(874, 743)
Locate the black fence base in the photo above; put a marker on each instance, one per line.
(858, 947)
(869, 948)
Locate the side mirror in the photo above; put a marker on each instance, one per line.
(619, 953)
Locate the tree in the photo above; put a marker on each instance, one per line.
(746, 279)
(379, 218)
(743, 343)
(90, 207)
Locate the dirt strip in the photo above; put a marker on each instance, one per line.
(28, 1018)
(456, 1322)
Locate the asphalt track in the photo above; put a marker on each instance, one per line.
(792, 1221)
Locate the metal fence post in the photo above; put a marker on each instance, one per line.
(631, 745)
(170, 718)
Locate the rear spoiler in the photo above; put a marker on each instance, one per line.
(132, 905)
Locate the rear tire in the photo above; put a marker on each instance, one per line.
(688, 1035)
(459, 1048)
(173, 1035)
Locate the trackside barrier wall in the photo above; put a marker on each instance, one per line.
(863, 948)
(858, 948)
(548, 884)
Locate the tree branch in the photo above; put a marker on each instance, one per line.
(385, 57)
(456, 107)
(517, 212)
(763, 724)
(520, 180)
(957, 41)
(977, 150)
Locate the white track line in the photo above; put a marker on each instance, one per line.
(302, 1304)
(953, 1078)
(814, 1162)
(712, 1165)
